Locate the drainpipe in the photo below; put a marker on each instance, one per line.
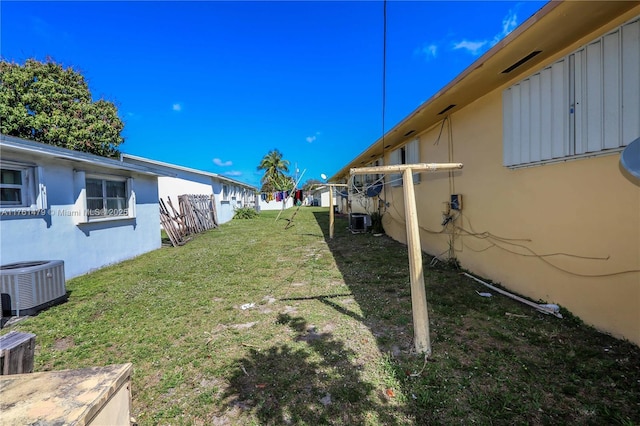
(549, 309)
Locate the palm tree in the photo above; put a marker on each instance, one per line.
(274, 167)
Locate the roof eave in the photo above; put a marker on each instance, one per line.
(43, 150)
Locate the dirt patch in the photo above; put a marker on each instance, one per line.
(289, 310)
(244, 326)
(329, 327)
(269, 300)
(64, 343)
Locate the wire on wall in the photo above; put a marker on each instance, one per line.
(444, 121)
(503, 243)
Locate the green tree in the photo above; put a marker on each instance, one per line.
(45, 102)
(312, 183)
(274, 178)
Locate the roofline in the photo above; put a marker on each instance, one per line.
(185, 169)
(167, 165)
(33, 147)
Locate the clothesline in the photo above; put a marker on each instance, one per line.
(297, 195)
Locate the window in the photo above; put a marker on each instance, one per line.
(408, 154)
(584, 104)
(225, 192)
(106, 198)
(13, 187)
(21, 188)
(102, 198)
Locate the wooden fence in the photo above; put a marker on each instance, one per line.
(195, 214)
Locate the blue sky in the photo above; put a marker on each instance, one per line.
(216, 85)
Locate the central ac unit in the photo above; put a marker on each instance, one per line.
(359, 222)
(32, 286)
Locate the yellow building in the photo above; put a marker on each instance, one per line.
(539, 123)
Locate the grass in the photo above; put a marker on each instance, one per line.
(328, 339)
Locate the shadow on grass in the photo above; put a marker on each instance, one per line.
(325, 299)
(494, 361)
(300, 384)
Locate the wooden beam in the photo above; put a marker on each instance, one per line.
(322, 185)
(16, 352)
(422, 341)
(400, 168)
(331, 214)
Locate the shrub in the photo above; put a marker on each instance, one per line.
(376, 223)
(245, 213)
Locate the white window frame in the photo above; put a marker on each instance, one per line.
(233, 194)
(33, 193)
(225, 192)
(82, 214)
(407, 154)
(585, 104)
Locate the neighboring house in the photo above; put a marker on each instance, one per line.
(58, 204)
(320, 196)
(229, 194)
(539, 122)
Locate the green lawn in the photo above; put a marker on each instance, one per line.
(329, 337)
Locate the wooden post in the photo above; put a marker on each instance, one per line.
(422, 340)
(331, 218)
(332, 187)
(16, 353)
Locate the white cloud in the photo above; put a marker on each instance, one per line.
(177, 107)
(509, 23)
(219, 162)
(472, 47)
(428, 51)
(312, 138)
(233, 173)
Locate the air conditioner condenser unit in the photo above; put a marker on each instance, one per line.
(28, 287)
(359, 222)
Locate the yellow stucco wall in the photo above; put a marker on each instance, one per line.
(583, 207)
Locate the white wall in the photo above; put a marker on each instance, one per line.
(83, 247)
(173, 187)
(325, 200)
(275, 205)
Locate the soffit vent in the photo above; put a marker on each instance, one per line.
(521, 61)
(447, 109)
